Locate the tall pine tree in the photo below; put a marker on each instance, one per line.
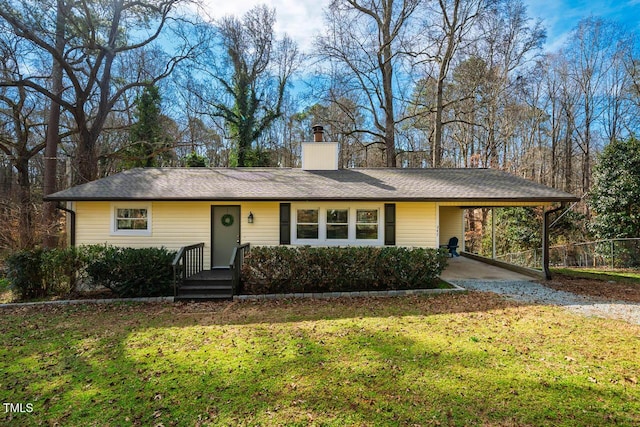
(149, 145)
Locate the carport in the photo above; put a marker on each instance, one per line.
(451, 223)
(466, 268)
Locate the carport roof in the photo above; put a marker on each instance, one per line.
(288, 184)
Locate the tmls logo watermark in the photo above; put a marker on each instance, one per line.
(21, 408)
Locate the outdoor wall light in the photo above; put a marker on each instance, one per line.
(250, 218)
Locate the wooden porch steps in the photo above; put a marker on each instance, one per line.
(207, 285)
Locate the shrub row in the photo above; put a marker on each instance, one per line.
(128, 272)
(283, 269)
(39, 273)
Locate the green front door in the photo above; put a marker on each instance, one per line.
(225, 234)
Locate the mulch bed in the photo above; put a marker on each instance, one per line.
(610, 290)
(98, 294)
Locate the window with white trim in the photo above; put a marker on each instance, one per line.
(129, 219)
(336, 224)
(307, 223)
(367, 224)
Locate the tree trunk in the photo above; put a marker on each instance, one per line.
(451, 25)
(87, 160)
(586, 159)
(437, 140)
(26, 232)
(50, 239)
(387, 87)
(390, 125)
(554, 146)
(568, 154)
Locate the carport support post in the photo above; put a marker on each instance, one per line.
(493, 233)
(545, 242)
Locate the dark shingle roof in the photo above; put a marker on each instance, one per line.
(284, 184)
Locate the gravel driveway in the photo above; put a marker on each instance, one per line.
(532, 292)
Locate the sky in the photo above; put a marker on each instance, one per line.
(561, 16)
(303, 19)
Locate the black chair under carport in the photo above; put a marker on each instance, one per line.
(452, 246)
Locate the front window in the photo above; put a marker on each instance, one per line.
(307, 224)
(131, 219)
(367, 224)
(337, 224)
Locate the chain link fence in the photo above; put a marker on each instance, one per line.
(611, 253)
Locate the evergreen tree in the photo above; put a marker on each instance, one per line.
(194, 160)
(615, 195)
(149, 145)
(517, 229)
(255, 82)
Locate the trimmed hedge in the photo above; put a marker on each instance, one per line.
(38, 273)
(25, 274)
(283, 269)
(128, 272)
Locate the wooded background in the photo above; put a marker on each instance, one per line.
(92, 87)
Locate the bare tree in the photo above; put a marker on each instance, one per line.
(553, 107)
(593, 56)
(449, 32)
(96, 33)
(21, 134)
(509, 42)
(251, 79)
(53, 129)
(633, 93)
(618, 119)
(364, 43)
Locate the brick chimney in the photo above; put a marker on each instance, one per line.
(318, 133)
(319, 155)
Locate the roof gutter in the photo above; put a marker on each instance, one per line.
(72, 231)
(465, 202)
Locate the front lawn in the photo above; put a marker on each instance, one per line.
(465, 359)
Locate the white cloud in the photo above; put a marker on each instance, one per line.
(302, 20)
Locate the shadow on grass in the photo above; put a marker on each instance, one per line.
(457, 359)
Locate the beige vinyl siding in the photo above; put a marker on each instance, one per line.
(416, 224)
(93, 222)
(450, 224)
(320, 155)
(265, 230)
(175, 224)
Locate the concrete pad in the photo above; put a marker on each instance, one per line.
(461, 268)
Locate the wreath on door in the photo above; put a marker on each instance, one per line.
(227, 220)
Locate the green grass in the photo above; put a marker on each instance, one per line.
(6, 295)
(466, 359)
(625, 276)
